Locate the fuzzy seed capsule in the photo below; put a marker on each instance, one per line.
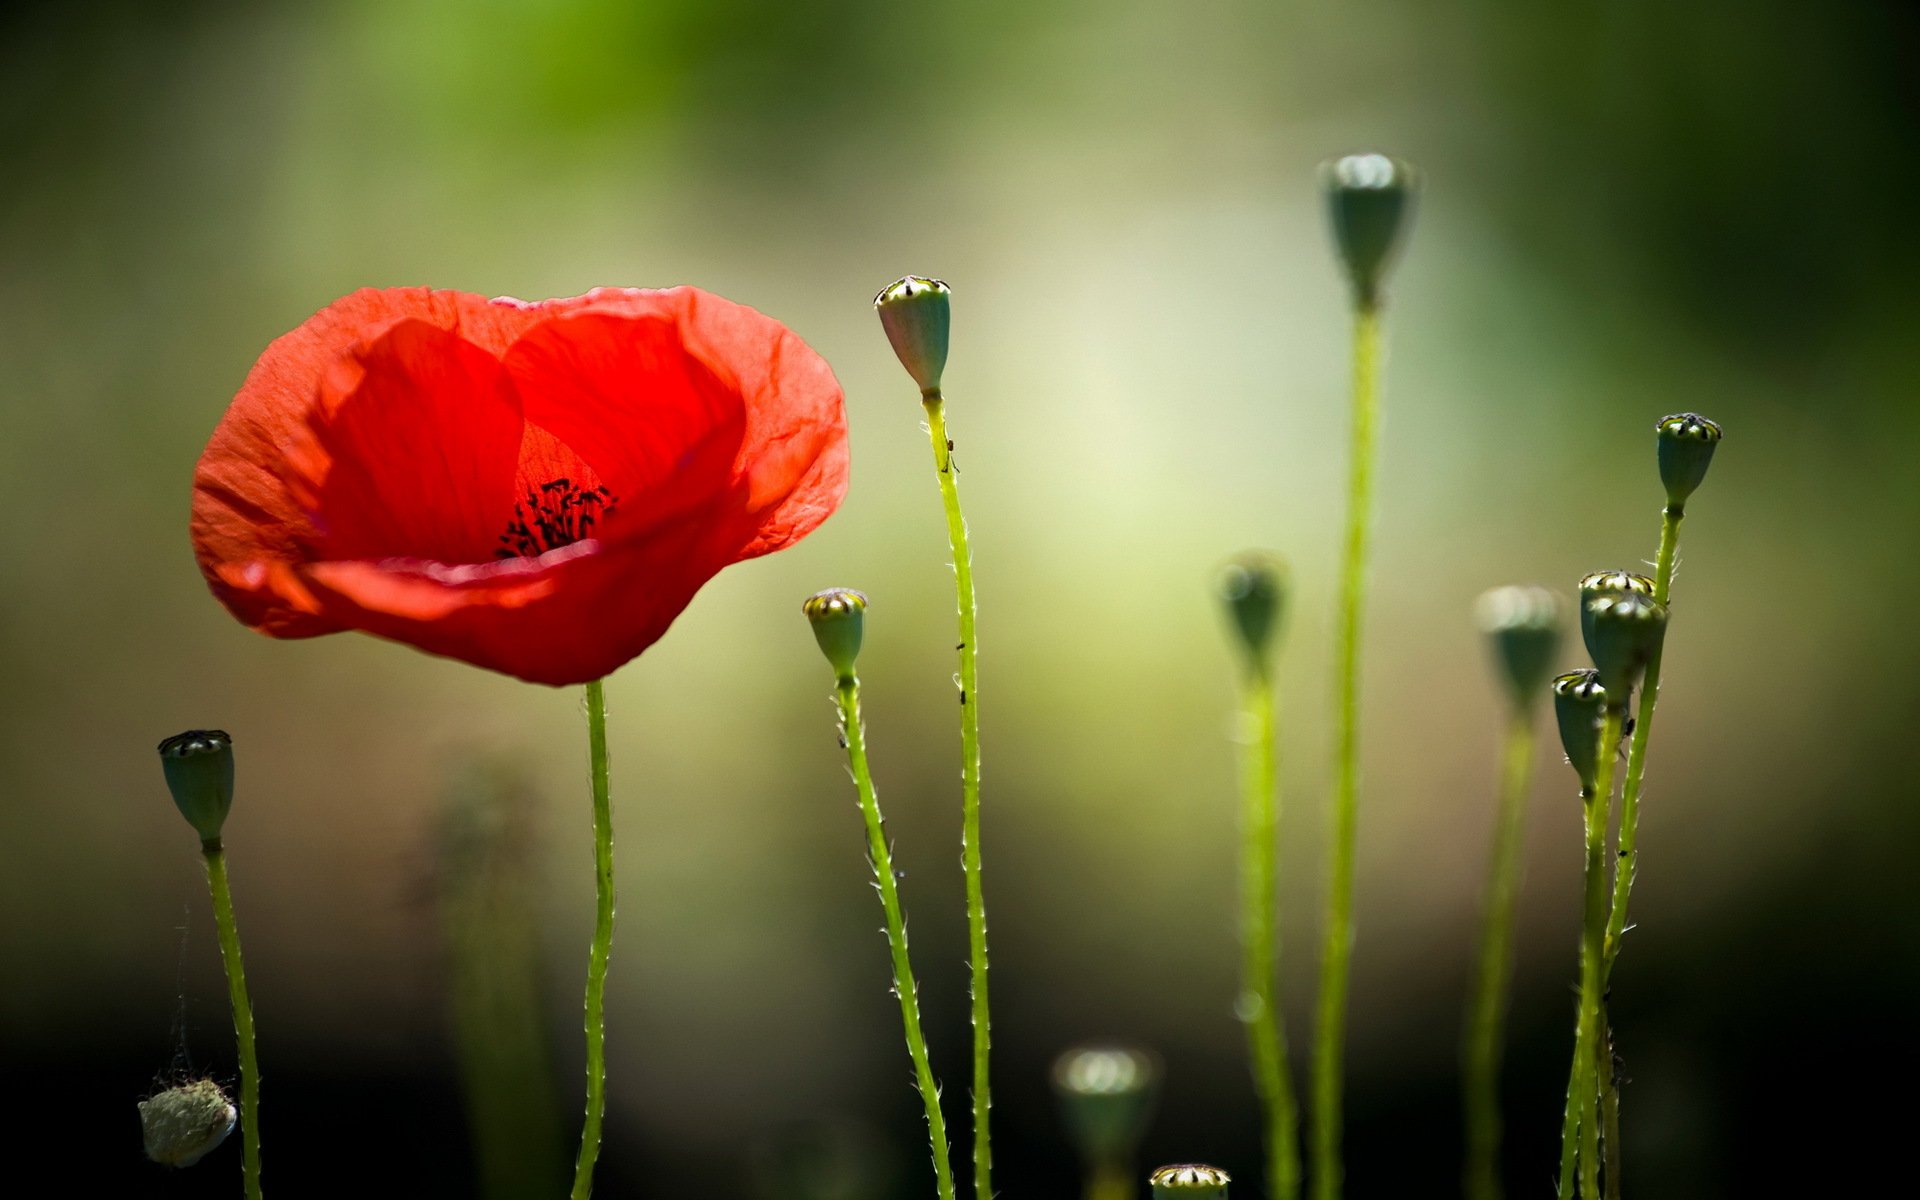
(1626, 629)
(1579, 701)
(916, 313)
(1189, 1181)
(1106, 1097)
(838, 617)
(1370, 202)
(199, 769)
(1685, 450)
(1523, 626)
(181, 1125)
(1253, 590)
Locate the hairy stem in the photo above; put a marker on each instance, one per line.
(887, 883)
(1487, 1009)
(602, 949)
(1583, 1087)
(1259, 1005)
(215, 856)
(969, 790)
(1337, 953)
(1637, 746)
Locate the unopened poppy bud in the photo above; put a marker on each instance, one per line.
(915, 313)
(1253, 588)
(1189, 1181)
(1523, 626)
(181, 1125)
(1579, 700)
(1626, 631)
(1686, 444)
(1370, 200)
(1599, 584)
(838, 617)
(1106, 1095)
(199, 769)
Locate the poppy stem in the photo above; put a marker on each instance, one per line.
(215, 856)
(880, 855)
(1488, 1006)
(1627, 860)
(1259, 1006)
(1583, 1093)
(969, 787)
(1337, 953)
(602, 950)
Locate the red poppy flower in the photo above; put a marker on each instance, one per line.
(534, 488)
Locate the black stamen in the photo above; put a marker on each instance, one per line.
(554, 514)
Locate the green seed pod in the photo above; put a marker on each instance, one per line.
(199, 769)
(1602, 582)
(916, 312)
(1370, 199)
(1626, 632)
(1106, 1097)
(1522, 625)
(1253, 589)
(1685, 448)
(838, 617)
(1189, 1181)
(1579, 701)
(182, 1124)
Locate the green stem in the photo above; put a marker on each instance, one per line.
(1584, 1088)
(1259, 1005)
(969, 789)
(904, 987)
(602, 950)
(1488, 1006)
(1110, 1182)
(216, 861)
(1609, 1106)
(1337, 954)
(1637, 748)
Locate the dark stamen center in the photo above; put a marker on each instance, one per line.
(554, 514)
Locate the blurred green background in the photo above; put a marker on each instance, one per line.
(1632, 208)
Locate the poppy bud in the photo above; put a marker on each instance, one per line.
(1626, 631)
(838, 616)
(915, 313)
(1106, 1095)
(199, 768)
(1523, 626)
(182, 1124)
(1370, 200)
(1599, 584)
(1685, 448)
(1189, 1181)
(1578, 702)
(1253, 587)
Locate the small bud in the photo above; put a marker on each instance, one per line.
(1685, 448)
(182, 1124)
(1189, 1181)
(199, 769)
(838, 617)
(1106, 1096)
(1370, 199)
(915, 313)
(1253, 588)
(1626, 632)
(1522, 625)
(1602, 582)
(1578, 703)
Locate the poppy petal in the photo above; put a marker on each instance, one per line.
(537, 488)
